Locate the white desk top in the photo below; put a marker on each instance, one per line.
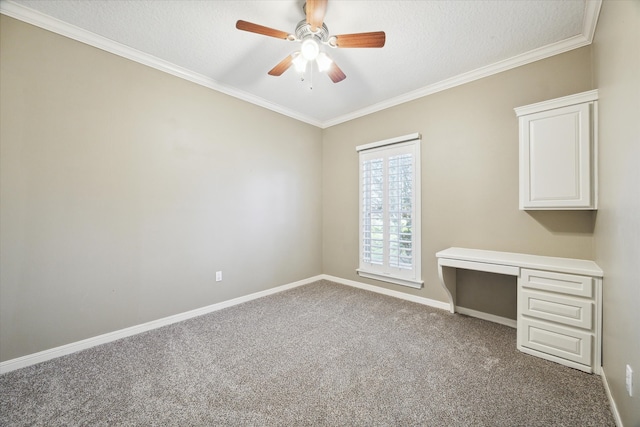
(562, 265)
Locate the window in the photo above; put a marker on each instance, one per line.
(390, 211)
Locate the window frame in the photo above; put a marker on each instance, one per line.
(385, 272)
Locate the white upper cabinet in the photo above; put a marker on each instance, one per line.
(558, 153)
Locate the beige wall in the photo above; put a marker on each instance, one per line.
(123, 189)
(469, 178)
(617, 233)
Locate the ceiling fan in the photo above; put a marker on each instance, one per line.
(313, 33)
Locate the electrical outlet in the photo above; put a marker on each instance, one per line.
(218, 276)
(629, 381)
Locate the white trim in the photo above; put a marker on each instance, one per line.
(591, 14)
(544, 52)
(397, 140)
(43, 356)
(49, 23)
(565, 101)
(612, 403)
(384, 291)
(592, 11)
(384, 150)
(417, 284)
(594, 157)
(512, 323)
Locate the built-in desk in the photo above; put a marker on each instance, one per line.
(559, 301)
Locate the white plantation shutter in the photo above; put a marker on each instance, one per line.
(390, 210)
(373, 211)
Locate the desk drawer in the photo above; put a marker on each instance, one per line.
(560, 341)
(576, 312)
(569, 284)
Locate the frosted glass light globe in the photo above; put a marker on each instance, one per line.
(310, 49)
(300, 63)
(323, 61)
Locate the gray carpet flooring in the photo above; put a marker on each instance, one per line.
(319, 354)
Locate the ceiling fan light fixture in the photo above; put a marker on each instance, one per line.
(323, 61)
(310, 49)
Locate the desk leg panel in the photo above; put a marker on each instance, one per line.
(448, 281)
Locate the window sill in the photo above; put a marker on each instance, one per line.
(417, 284)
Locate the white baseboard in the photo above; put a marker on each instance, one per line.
(612, 403)
(43, 356)
(420, 300)
(486, 316)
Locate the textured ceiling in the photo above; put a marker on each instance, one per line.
(428, 43)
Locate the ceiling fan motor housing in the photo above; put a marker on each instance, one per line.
(303, 31)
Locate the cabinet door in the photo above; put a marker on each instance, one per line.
(555, 159)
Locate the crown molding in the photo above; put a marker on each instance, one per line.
(33, 17)
(470, 76)
(592, 10)
(591, 14)
(22, 13)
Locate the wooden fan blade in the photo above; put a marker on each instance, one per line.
(335, 73)
(315, 13)
(282, 66)
(373, 39)
(259, 29)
